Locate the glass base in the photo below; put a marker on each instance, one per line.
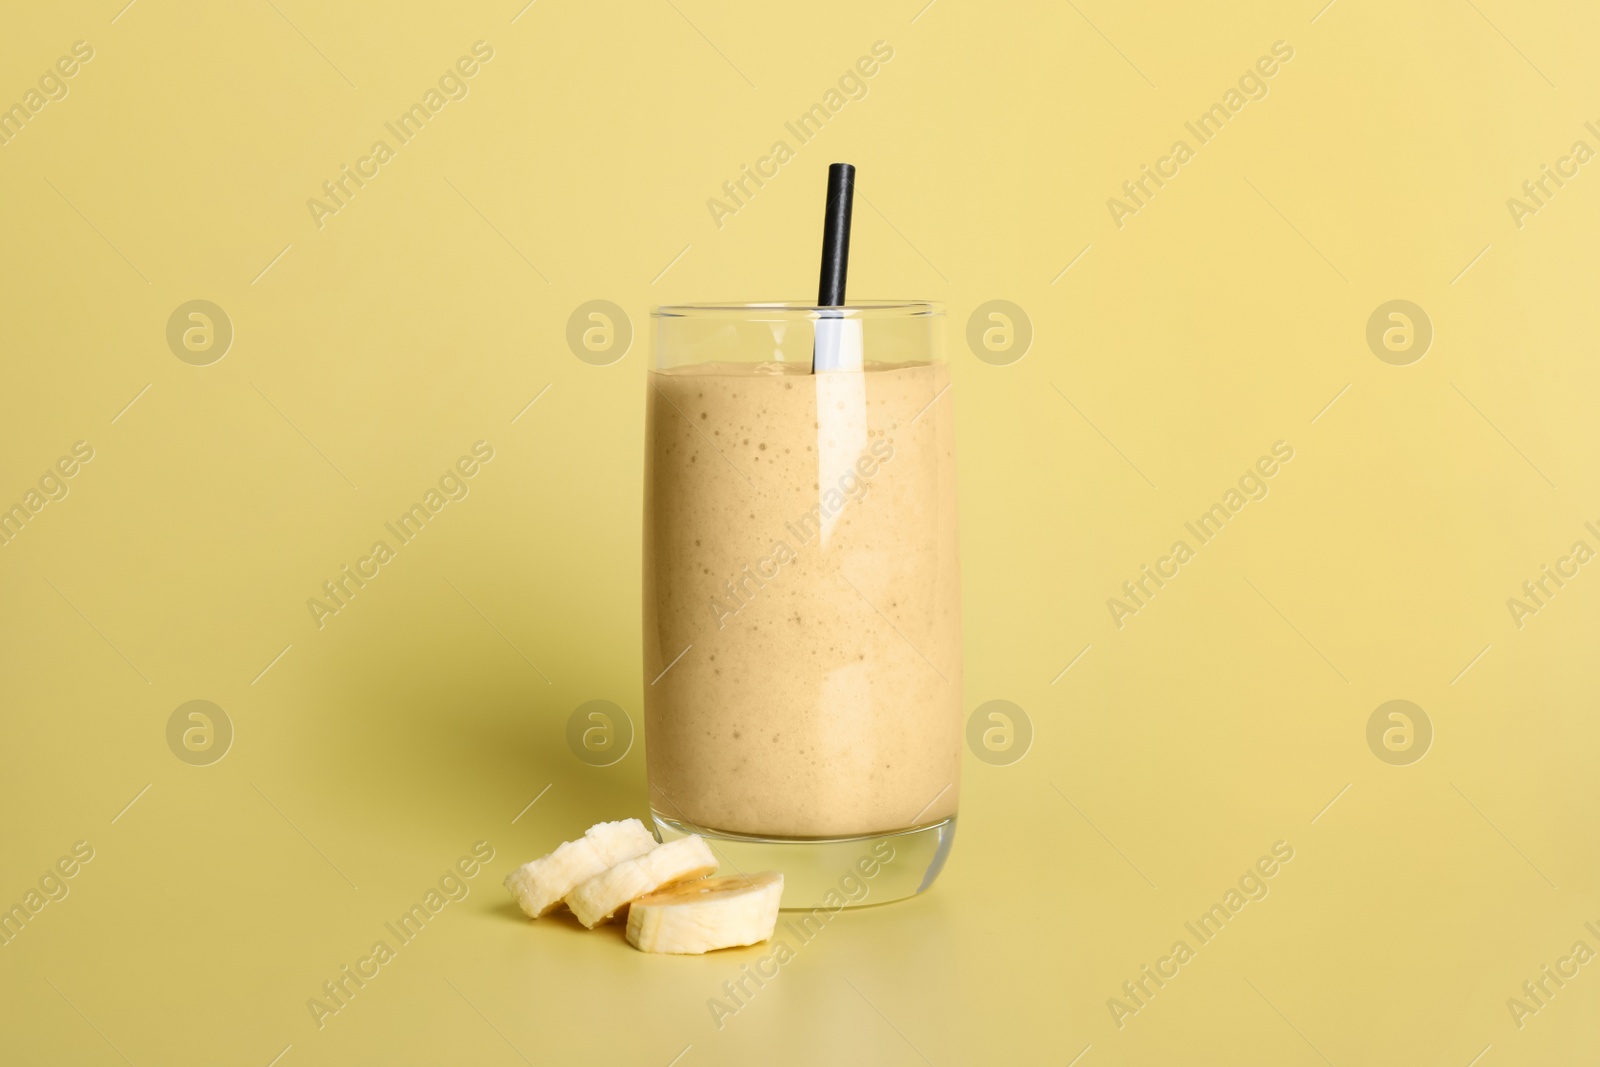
(823, 872)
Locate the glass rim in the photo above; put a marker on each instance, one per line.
(790, 308)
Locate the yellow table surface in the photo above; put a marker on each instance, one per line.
(1173, 338)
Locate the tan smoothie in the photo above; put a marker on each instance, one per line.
(800, 544)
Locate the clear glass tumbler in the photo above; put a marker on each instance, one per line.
(802, 614)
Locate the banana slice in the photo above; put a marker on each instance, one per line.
(538, 886)
(708, 914)
(602, 896)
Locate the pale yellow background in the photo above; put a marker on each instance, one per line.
(1223, 317)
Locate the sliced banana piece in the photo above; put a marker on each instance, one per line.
(602, 896)
(708, 914)
(538, 886)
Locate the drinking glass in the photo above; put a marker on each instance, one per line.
(802, 617)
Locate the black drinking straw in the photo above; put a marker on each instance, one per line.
(836, 238)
